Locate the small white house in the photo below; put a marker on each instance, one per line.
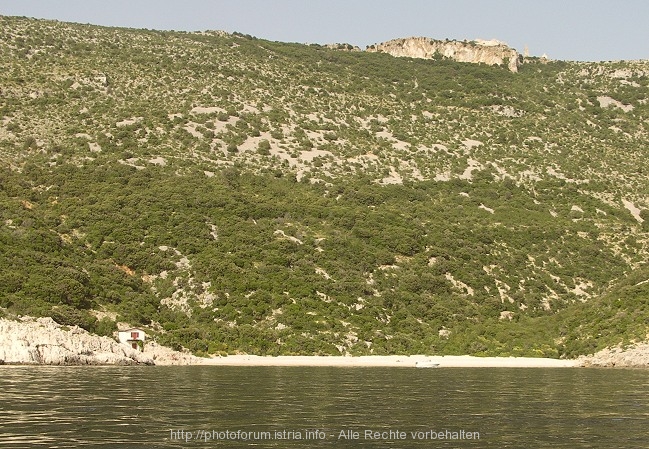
(132, 337)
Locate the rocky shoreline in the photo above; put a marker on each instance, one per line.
(635, 356)
(42, 341)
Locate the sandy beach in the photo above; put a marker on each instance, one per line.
(463, 361)
(42, 341)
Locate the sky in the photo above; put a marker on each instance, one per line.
(578, 30)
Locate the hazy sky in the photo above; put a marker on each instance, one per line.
(589, 30)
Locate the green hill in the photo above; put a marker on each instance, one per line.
(235, 194)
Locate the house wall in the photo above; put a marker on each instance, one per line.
(125, 336)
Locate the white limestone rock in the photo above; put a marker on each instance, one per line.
(490, 52)
(43, 341)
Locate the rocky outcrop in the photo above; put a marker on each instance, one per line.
(162, 355)
(342, 47)
(43, 341)
(636, 356)
(491, 52)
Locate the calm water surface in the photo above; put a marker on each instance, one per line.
(191, 407)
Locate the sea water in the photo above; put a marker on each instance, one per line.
(210, 406)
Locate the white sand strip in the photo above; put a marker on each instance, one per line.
(464, 361)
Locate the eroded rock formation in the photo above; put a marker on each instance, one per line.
(491, 52)
(43, 341)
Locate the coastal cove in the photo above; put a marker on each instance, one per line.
(228, 194)
(216, 239)
(41, 341)
(208, 406)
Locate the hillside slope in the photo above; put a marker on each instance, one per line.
(235, 194)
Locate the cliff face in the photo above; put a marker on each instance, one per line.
(487, 52)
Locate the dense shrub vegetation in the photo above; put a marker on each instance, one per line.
(234, 194)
